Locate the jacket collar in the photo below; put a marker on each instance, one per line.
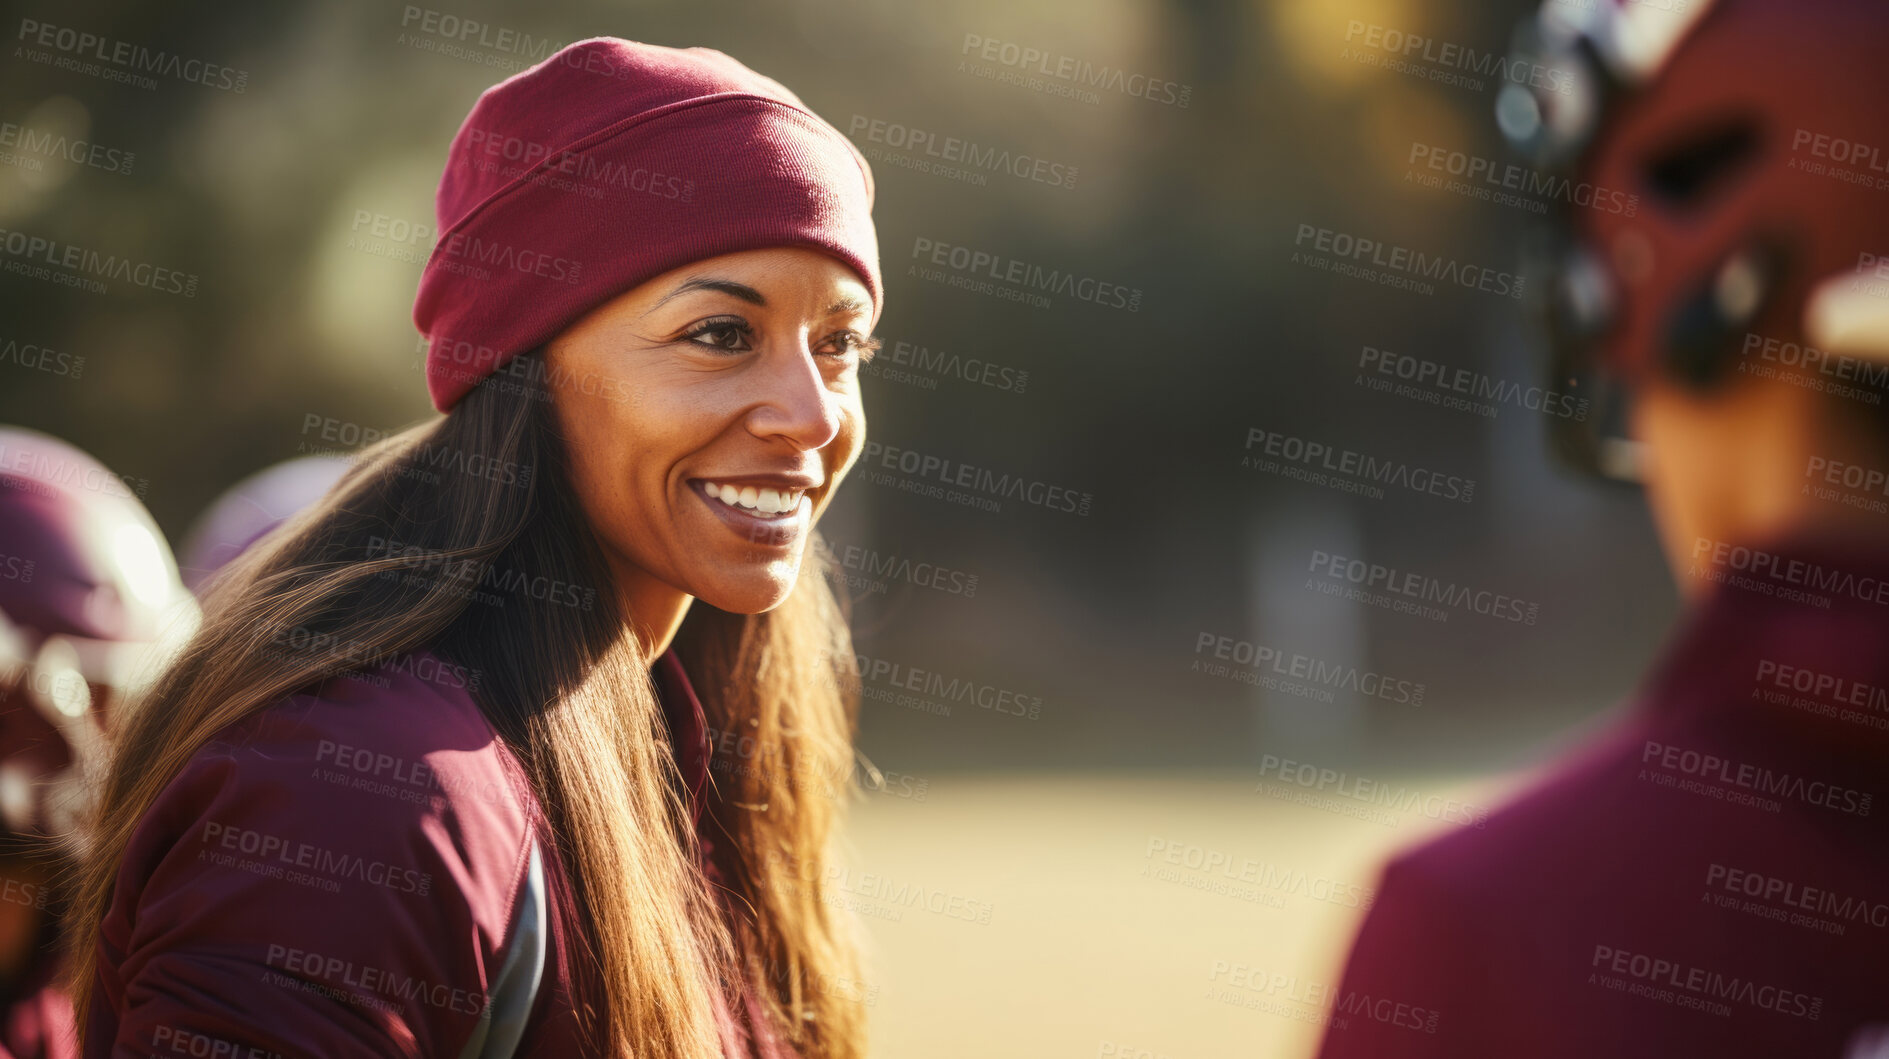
(688, 731)
(688, 725)
(1754, 655)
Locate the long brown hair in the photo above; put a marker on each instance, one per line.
(382, 566)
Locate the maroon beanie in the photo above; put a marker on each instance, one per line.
(611, 162)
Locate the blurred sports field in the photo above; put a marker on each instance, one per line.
(1097, 934)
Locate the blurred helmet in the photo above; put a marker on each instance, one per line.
(90, 608)
(1727, 175)
(250, 509)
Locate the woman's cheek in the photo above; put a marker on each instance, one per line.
(604, 461)
(847, 447)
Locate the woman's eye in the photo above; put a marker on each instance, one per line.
(729, 336)
(852, 342)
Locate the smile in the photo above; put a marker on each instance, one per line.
(752, 500)
(768, 516)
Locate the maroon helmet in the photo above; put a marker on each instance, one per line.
(1727, 168)
(90, 605)
(250, 509)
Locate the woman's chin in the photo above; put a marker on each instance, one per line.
(752, 591)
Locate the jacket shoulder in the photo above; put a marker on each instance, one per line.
(334, 874)
(1559, 820)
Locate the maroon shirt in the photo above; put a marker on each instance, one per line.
(1707, 877)
(350, 873)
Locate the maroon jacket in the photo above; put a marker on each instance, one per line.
(1708, 877)
(358, 871)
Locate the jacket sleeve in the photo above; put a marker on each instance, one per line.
(1408, 988)
(323, 883)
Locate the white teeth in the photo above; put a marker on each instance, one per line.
(762, 501)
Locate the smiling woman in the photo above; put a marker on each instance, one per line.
(743, 415)
(433, 778)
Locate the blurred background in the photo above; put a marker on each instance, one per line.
(1065, 881)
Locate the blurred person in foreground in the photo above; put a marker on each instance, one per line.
(432, 779)
(1709, 874)
(88, 591)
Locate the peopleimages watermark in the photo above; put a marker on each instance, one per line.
(965, 484)
(851, 990)
(53, 685)
(1445, 62)
(1869, 269)
(38, 471)
(739, 753)
(889, 898)
(308, 970)
(1790, 902)
(587, 174)
(17, 568)
(1384, 798)
(301, 643)
(469, 255)
(1295, 673)
(1345, 254)
(395, 238)
(443, 33)
(869, 571)
(1692, 987)
(1742, 783)
(35, 144)
(1849, 161)
(923, 150)
(29, 893)
(1346, 470)
(1781, 576)
(119, 60)
(1823, 694)
(1245, 878)
(903, 895)
(921, 366)
(176, 1040)
(933, 691)
(1848, 484)
(37, 257)
(984, 272)
(1118, 1050)
(1459, 389)
(1041, 70)
(1509, 183)
(276, 857)
(1814, 368)
(403, 779)
(482, 581)
(469, 361)
(1409, 592)
(32, 356)
(1309, 1000)
(328, 436)
(398, 239)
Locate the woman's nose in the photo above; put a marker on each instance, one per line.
(798, 404)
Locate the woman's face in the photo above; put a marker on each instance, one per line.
(710, 413)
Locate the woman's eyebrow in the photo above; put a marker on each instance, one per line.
(726, 286)
(848, 304)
